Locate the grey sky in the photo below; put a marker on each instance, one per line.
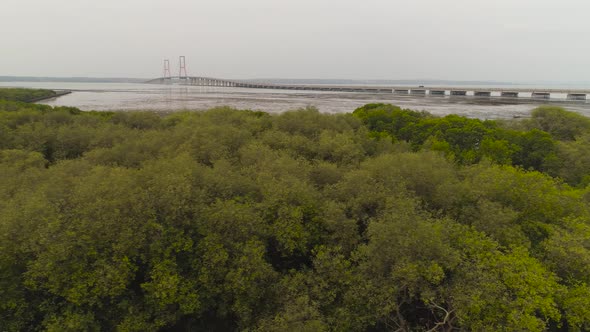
(504, 40)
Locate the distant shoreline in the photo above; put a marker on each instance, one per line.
(71, 79)
(319, 81)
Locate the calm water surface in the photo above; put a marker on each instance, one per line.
(168, 98)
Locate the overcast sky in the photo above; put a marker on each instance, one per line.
(502, 40)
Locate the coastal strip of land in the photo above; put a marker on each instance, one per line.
(30, 95)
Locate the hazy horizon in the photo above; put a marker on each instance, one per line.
(458, 40)
(12, 78)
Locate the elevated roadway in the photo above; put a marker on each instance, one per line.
(508, 92)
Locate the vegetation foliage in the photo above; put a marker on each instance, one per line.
(384, 219)
(25, 95)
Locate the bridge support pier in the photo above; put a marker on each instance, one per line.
(541, 95)
(509, 94)
(576, 96)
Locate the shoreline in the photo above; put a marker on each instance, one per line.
(56, 95)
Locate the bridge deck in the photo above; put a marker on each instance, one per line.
(210, 81)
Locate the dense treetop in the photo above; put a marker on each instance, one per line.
(384, 219)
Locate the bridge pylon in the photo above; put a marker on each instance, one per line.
(167, 74)
(182, 68)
